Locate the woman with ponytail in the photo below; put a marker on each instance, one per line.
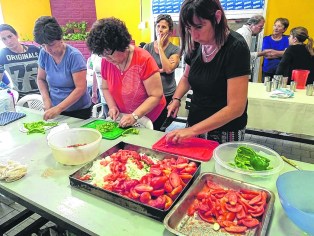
(299, 55)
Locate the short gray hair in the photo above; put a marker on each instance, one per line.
(254, 20)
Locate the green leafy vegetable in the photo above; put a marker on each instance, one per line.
(106, 127)
(248, 159)
(130, 131)
(38, 127)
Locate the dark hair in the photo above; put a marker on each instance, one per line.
(283, 21)
(301, 34)
(204, 9)
(254, 20)
(167, 18)
(108, 34)
(9, 28)
(47, 30)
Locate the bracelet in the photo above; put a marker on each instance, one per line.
(179, 99)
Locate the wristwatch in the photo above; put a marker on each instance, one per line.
(135, 116)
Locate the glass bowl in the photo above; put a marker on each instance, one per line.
(225, 153)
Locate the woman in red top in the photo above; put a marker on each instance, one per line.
(132, 83)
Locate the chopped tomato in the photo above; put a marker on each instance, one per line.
(174, 179)
(249, 222)
(140, 188)
(236, 229)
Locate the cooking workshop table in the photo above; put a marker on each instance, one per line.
(290, 115)
(46, 188)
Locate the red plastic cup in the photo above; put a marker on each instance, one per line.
(300, 76)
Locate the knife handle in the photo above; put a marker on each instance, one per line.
(289, 162)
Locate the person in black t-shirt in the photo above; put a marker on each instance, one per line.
(217, 70)
(298, 55)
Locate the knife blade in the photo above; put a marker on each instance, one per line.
(290, 162)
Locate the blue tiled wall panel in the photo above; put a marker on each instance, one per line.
(173, 6)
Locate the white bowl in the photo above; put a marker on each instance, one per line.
(89, 139)
(225, 153)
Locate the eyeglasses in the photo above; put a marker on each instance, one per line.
(106, 54)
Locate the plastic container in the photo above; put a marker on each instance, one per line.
(295, 190)
(225, 153)
(300, 76)
(86, 145)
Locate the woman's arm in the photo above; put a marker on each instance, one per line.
(43, 88)
(237, 90)
(113, 109)
(283, 67)
(168, 64)
(182, 89)
(154, 91)
(79, 79)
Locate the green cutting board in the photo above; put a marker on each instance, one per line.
(113, 134)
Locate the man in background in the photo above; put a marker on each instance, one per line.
(251, 28)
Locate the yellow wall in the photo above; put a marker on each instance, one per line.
(299, 13)
(22, 14)
(129, 12)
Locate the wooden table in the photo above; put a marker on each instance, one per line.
(51, 195)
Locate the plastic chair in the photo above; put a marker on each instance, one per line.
(98, 111)
(32, 101)
(15, 95)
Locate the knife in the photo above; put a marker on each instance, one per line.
(166, 123)
(290, 162)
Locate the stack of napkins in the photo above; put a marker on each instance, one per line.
(282, 93)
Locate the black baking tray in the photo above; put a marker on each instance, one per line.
(179, 223)
(120, 200)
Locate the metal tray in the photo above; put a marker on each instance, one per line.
(179, 223)
(120, 200)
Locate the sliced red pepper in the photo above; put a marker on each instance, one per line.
(168, 202)
(236, 229)
(208, 218)
(158, 181)
(140, 188)
(230, 216)
(155, 171)
(235, 208)
(256, 199)
(145, 197)
(241, 214)
(168, 187)
(249, 222)
(174, 179)
(85, 177)
(158, 192)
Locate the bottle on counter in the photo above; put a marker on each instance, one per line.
(7, 102)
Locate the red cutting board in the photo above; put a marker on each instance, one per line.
(194, 148)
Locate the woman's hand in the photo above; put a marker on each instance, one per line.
(177, 136)
(127, 120)
(52, 113)
(173, 108)
(113, 113)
